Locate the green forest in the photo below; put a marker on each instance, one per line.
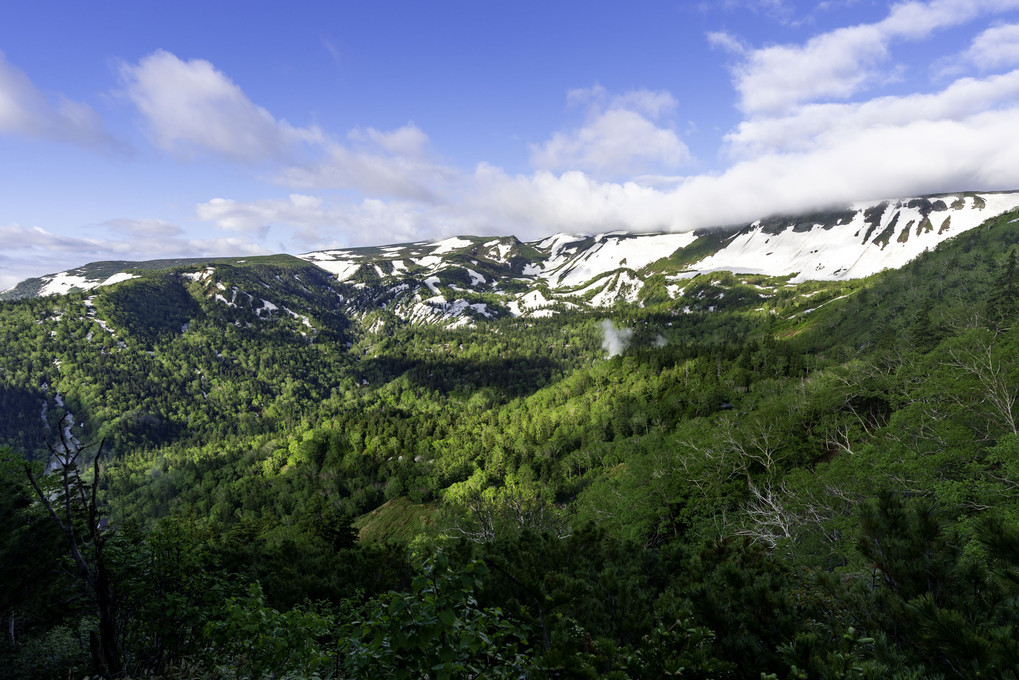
(772, 480)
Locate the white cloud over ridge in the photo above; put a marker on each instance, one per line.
(816, 125)
(806, 142)
(619, 138)
(389, 164)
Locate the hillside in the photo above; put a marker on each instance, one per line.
(615, 452)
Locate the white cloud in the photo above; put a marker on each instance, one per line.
(843, 62)
(816, 125)
(619, 137)
(652, 103)
(996, 47)
(408, 140)
(726, 41)
(192, 108)
(374, 221)
(919, 19)
(317, 224)
(253, 217)
(152, 228)
(391, 164)
(882, 161)
(146, 239)
(17, 237)
(24, 110)
(543, 203)
(836, 64)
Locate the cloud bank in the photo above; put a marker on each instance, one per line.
(810, 138)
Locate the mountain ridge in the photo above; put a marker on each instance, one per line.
(461, 280)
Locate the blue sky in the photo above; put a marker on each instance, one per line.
(164, 129)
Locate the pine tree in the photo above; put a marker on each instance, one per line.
(923, 332)
(1002, 304)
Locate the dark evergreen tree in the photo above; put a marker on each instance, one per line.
(1002, 303)
(924, 332)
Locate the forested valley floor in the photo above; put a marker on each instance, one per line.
(764, 480)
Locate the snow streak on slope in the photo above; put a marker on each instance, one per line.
(557, 273)
(342, 269)
(568, 267)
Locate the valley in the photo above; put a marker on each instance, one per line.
(582, 456)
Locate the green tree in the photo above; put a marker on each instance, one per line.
(1002, 303)
(435, 630)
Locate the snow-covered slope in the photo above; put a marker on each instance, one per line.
(855, 242)
(575, 261)
(460, 278)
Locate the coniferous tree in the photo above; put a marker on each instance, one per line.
(1002, 303)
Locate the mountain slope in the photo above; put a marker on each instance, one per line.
(856, 242)
(88, 276)
(460, 279)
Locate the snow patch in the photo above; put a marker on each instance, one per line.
(428, 262)
(341, 269)
(62, 283)
(449, 245)
(302, 317)
(118, 277)
(612, 252)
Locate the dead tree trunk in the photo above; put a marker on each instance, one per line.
(85, 543)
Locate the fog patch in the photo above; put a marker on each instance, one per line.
(615, 340)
